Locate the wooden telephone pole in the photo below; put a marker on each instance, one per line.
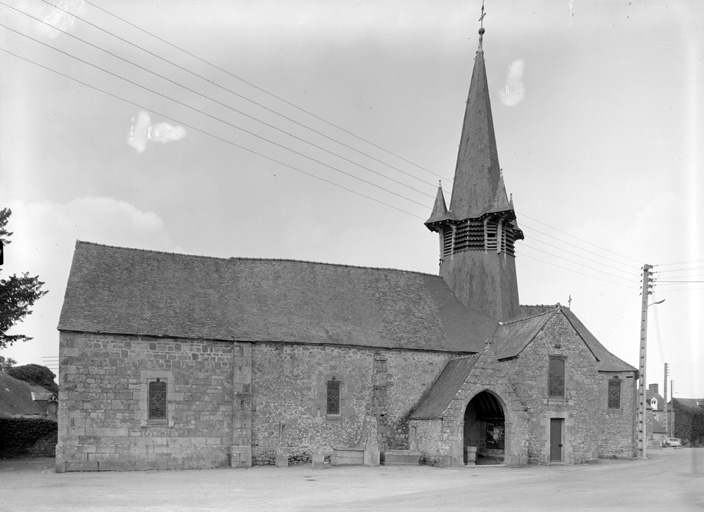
(664, 406)
(642, 382)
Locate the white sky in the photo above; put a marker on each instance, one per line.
(596, 108)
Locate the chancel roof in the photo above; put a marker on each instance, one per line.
(129, 291)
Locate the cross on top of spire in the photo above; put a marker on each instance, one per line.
(481, 26)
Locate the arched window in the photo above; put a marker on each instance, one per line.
(333, 397)
(615, 393)
(157, 400)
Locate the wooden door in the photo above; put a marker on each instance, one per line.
(556, 425)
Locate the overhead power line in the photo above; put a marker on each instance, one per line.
(282, 146)
(260, 89)
(205, 132)
(225, 89)
(522, 214)
(578, 263)
(206, 97)
(317, 161)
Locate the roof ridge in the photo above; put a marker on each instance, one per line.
(524, 318)
(244, 258)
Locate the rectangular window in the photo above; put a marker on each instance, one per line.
(615, 393)
(157, 400)
(333, 397)
(556, 377)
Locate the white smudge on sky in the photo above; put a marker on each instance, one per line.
(513, 91)
(61, 17)
(142, 132)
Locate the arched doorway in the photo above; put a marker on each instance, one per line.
(485, 429)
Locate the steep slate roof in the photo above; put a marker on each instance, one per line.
(130, 291)
(607, 361)
(16, 397)
(444, 389)
(439, 212)
(512, 337)
(477, 180)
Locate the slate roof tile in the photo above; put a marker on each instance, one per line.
(130, 291)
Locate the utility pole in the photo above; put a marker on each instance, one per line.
(664, 405)
(672, 401)
(642, 419)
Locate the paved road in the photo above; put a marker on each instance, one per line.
(670, 480)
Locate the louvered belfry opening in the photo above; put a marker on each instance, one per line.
(484, 428)
(491, 234)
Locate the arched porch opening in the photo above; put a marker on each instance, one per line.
(484, 430)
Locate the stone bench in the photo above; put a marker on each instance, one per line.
(400, 458)
(347, 457)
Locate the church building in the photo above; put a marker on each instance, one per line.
(173, 361)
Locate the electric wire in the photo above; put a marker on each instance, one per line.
(365, 181)
(524, 244)
(217, 119)
(532, 229)
(271, 95)
(205, 132)
(569, 269)
(522, 214)
(255, 152)
(215, 101)
(578, 255)
(229, 90)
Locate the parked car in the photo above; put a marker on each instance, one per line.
(674, 442)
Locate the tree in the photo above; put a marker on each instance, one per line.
(6, 363)
(35, 374)
(17, 294)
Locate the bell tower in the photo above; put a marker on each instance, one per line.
(478, 232)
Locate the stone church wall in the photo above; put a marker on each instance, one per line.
(581, 407)
(617, 426)
(289, 388)
(103, 421)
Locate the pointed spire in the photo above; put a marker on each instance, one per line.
(440, 212)
(478, 174)
(500, 202)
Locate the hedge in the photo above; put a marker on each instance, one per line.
(22, 437)
(689, 422)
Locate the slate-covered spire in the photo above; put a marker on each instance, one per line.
(477, 234)
(477, 174)
(439, 213)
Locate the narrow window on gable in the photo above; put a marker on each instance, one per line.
(556, 377)
(333, 397)
(157, 400)
(615, 393)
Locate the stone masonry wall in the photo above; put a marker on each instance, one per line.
(581, 409)
(103, 422)
(289, 388)
(617, 426)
